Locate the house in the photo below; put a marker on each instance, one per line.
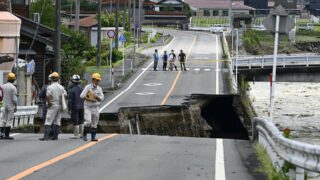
(314, 7)
(241, 14)
(165, 12)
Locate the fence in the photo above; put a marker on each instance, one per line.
(305, 157)
(24, 115)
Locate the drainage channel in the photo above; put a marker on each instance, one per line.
(215, 116)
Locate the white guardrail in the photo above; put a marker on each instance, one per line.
(305, 157)
(24, 115)
(281, 61)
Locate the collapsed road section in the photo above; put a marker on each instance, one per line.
(215, 116)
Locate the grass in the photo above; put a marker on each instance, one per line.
(267, 166)
(208, 21)
(94, 69)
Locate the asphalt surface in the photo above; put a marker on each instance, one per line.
(148, 87)
(121, 157)
(142, 157)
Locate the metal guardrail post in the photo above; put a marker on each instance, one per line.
(137, 124)
(130, 127)
(284, 62)
(307, 61)
(299, 173)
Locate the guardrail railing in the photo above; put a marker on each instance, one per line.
(305, 157)
(283, 61)
(24, 115)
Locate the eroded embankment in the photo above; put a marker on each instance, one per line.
(217, 116)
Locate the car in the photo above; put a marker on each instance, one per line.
(217, 28)
(305, 27)
(259, 27)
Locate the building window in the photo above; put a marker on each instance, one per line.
(206, 13)
(225, 13)
(215, 13)
(18, 2)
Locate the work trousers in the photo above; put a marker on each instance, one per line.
(91, 116)
(7, 117)
(54, 115)
(77, 116)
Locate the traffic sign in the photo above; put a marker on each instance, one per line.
(122, 38)
(136, 26)
(110, 33)
(286, 23)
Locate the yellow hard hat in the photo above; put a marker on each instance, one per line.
(96, 76)
(11, 76)
(54, 75)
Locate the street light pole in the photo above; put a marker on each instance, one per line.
(134, 34)
(237, 51)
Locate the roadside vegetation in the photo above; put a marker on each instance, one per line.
(208, 21)
(267, 166)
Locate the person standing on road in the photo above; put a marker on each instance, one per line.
(54, 98)
(43, 98)
(10, 107)
(155, 60)
(75, 106)
(182, 60)
(92, 95)
(165, 60)
(172, 58)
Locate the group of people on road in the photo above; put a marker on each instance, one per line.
(171, 57)
(82, 104)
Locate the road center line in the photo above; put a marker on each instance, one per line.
(33, 169)
(217, 65)
(165, 99)
(133, 82)
(219, 166)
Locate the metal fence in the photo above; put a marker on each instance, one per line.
(305, 157)
(23, 116)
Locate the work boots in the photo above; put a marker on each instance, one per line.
(1, 132)
(6, 133)
(47, 129)
(56, 131)
(81, 127)
(75, 132)
(85, 132)
(93, 134)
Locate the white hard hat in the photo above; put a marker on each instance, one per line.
(75, 78)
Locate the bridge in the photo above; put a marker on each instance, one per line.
(290, 68)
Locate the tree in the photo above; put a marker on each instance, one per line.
(46, 10)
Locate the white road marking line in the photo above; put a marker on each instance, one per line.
(153, 84)
(197, 69)
(220, 168)
(217, 66)
(218, 70)
(207, 69)
(145, 93)
(15, 134)
(187, 69)
(143, 69)
(133, 82)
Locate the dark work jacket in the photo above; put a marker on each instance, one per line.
(74, 100)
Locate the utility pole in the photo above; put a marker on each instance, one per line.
(230, 15)
(111, 6)
(117, 26)
(129, 15)
(139, 23)
(77, 15)
(99, 35)
(57, 62)
(134, 34)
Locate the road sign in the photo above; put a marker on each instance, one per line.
(110, 33)
(286, 23)
(136, 26)
(122, 38)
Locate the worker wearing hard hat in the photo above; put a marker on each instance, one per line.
(92, 95)
(75, 106)
(10, 106)
(54, 99)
